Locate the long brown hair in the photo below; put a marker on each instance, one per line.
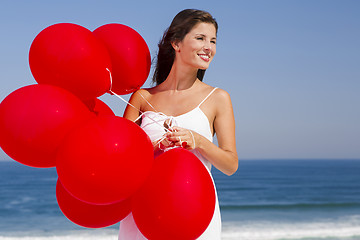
(181, 25)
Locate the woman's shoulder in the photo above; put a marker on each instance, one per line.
(219, 99)
(217, 93)
(222, 101)
(137, 97)
(142, 92)
(221, 94)
(216, 98)
(146, 91)
(142, 97)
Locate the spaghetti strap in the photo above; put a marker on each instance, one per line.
(207, 97)
(147, 102)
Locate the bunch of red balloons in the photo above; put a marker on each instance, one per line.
(105, 163)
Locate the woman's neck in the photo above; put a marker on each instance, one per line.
(180, 78)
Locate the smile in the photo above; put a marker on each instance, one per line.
(204, 57)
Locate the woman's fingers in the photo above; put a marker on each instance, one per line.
(181, 137)
(175, 136)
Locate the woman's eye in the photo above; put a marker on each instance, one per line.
(214, 42)
(199, 38)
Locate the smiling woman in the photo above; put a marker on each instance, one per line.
(180, 26)
(198, 46)
(183, 112)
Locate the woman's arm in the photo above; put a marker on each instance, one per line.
(130, 112)
(225, 156)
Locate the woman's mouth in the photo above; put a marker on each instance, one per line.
(204, 57)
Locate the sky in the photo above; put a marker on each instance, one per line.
(291, 66)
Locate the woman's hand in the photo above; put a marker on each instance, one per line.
(182, 137)
(162, 144)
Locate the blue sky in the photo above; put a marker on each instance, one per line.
(291, 67)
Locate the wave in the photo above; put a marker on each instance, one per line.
(87, 234)
(291, 206)
(345, 228)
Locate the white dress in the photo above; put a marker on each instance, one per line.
(152, 123)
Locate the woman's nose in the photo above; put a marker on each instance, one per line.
(207, 46)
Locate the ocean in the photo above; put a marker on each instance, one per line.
(264, 200)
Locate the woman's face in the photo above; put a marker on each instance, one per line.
(198, 47)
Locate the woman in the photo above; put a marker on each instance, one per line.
(181, 110)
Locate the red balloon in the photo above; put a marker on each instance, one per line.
(99, 107)
(35, 119)
(90, 215)
(130, 56)
(178, 199)
(70, 56)
(105, 161)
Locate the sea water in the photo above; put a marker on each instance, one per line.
(264, 200)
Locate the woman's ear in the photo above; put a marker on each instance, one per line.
(175, 45)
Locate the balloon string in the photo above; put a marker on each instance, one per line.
(158, 141)
(111, 81)
(167, 129)
(113, 93)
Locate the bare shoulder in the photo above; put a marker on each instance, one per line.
(140, 94)
(205, 89)
(137, 98)
(218, 96)
(222, 96)
(218, 93)
(222, 101)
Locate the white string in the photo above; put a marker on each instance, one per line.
(180, 141)
(148, 102)
(142, 113)
(127, 101)
(166, 130)
(111, 81)
(193, 138)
